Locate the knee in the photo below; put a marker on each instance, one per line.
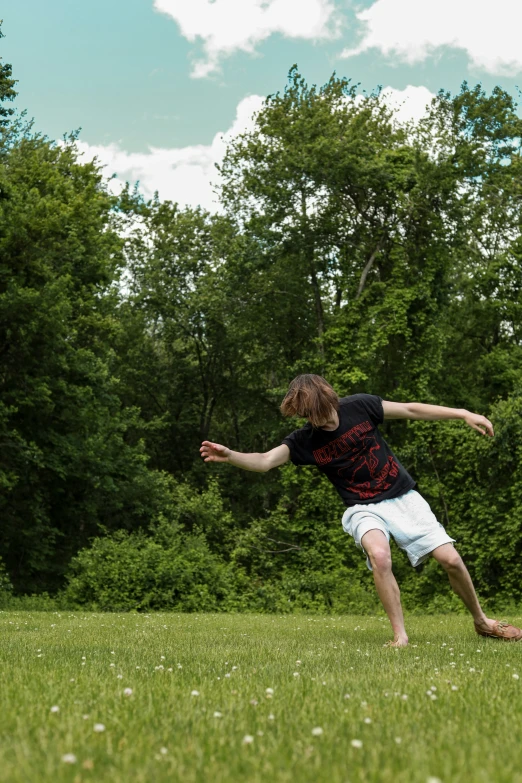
(380, 558)
(452, 562)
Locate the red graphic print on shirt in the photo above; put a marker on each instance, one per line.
(364, 474)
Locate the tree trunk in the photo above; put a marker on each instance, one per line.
(368, 266)
(310, 253)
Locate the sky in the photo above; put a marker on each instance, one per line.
(159, 86)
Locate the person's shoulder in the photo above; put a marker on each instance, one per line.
(359, 397)
(370, 404)
(300, 434)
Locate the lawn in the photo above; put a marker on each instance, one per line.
(221, 698)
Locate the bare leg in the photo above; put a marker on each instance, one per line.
(377, 548)
(461, 583)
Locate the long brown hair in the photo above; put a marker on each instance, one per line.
(312, 397)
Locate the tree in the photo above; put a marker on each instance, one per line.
(66, 466)
(7, 91)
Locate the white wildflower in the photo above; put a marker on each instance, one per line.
(69, 758)
(356, 743)
(317, 731)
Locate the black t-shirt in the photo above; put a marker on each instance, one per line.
(355, 456)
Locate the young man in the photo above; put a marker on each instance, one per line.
(343, 441)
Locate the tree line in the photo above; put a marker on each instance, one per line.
(383, 255)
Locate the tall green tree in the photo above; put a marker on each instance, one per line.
(67, 466)
(7, 91)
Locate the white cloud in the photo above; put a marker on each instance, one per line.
(188, 175)
(410, 103)
(412, 30)
(182, 174)
(227, 26)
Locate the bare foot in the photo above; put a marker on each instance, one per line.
(399, 641)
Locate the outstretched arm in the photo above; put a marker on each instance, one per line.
(418, 410)
(215, 452)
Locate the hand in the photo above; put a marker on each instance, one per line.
(214, 452)
(479, 423)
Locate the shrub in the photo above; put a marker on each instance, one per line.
(6, 587)
(168, 570)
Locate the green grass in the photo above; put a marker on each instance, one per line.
(471, 732)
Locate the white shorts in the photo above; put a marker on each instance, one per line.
(408, 518)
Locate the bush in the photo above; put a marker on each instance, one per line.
(6, 587)
(169, 570)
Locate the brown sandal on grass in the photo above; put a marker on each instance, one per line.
(502, 630)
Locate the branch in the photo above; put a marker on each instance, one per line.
(368, 266)
(291, 547)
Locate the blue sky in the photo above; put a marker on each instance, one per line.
(155, 83)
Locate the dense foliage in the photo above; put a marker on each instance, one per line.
(385, 256)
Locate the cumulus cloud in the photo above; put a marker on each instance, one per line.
(227, 26)
(182, 174)
(188, 175)
(410, 103)
(411, 31)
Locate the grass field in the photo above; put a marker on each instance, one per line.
(341, 707)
